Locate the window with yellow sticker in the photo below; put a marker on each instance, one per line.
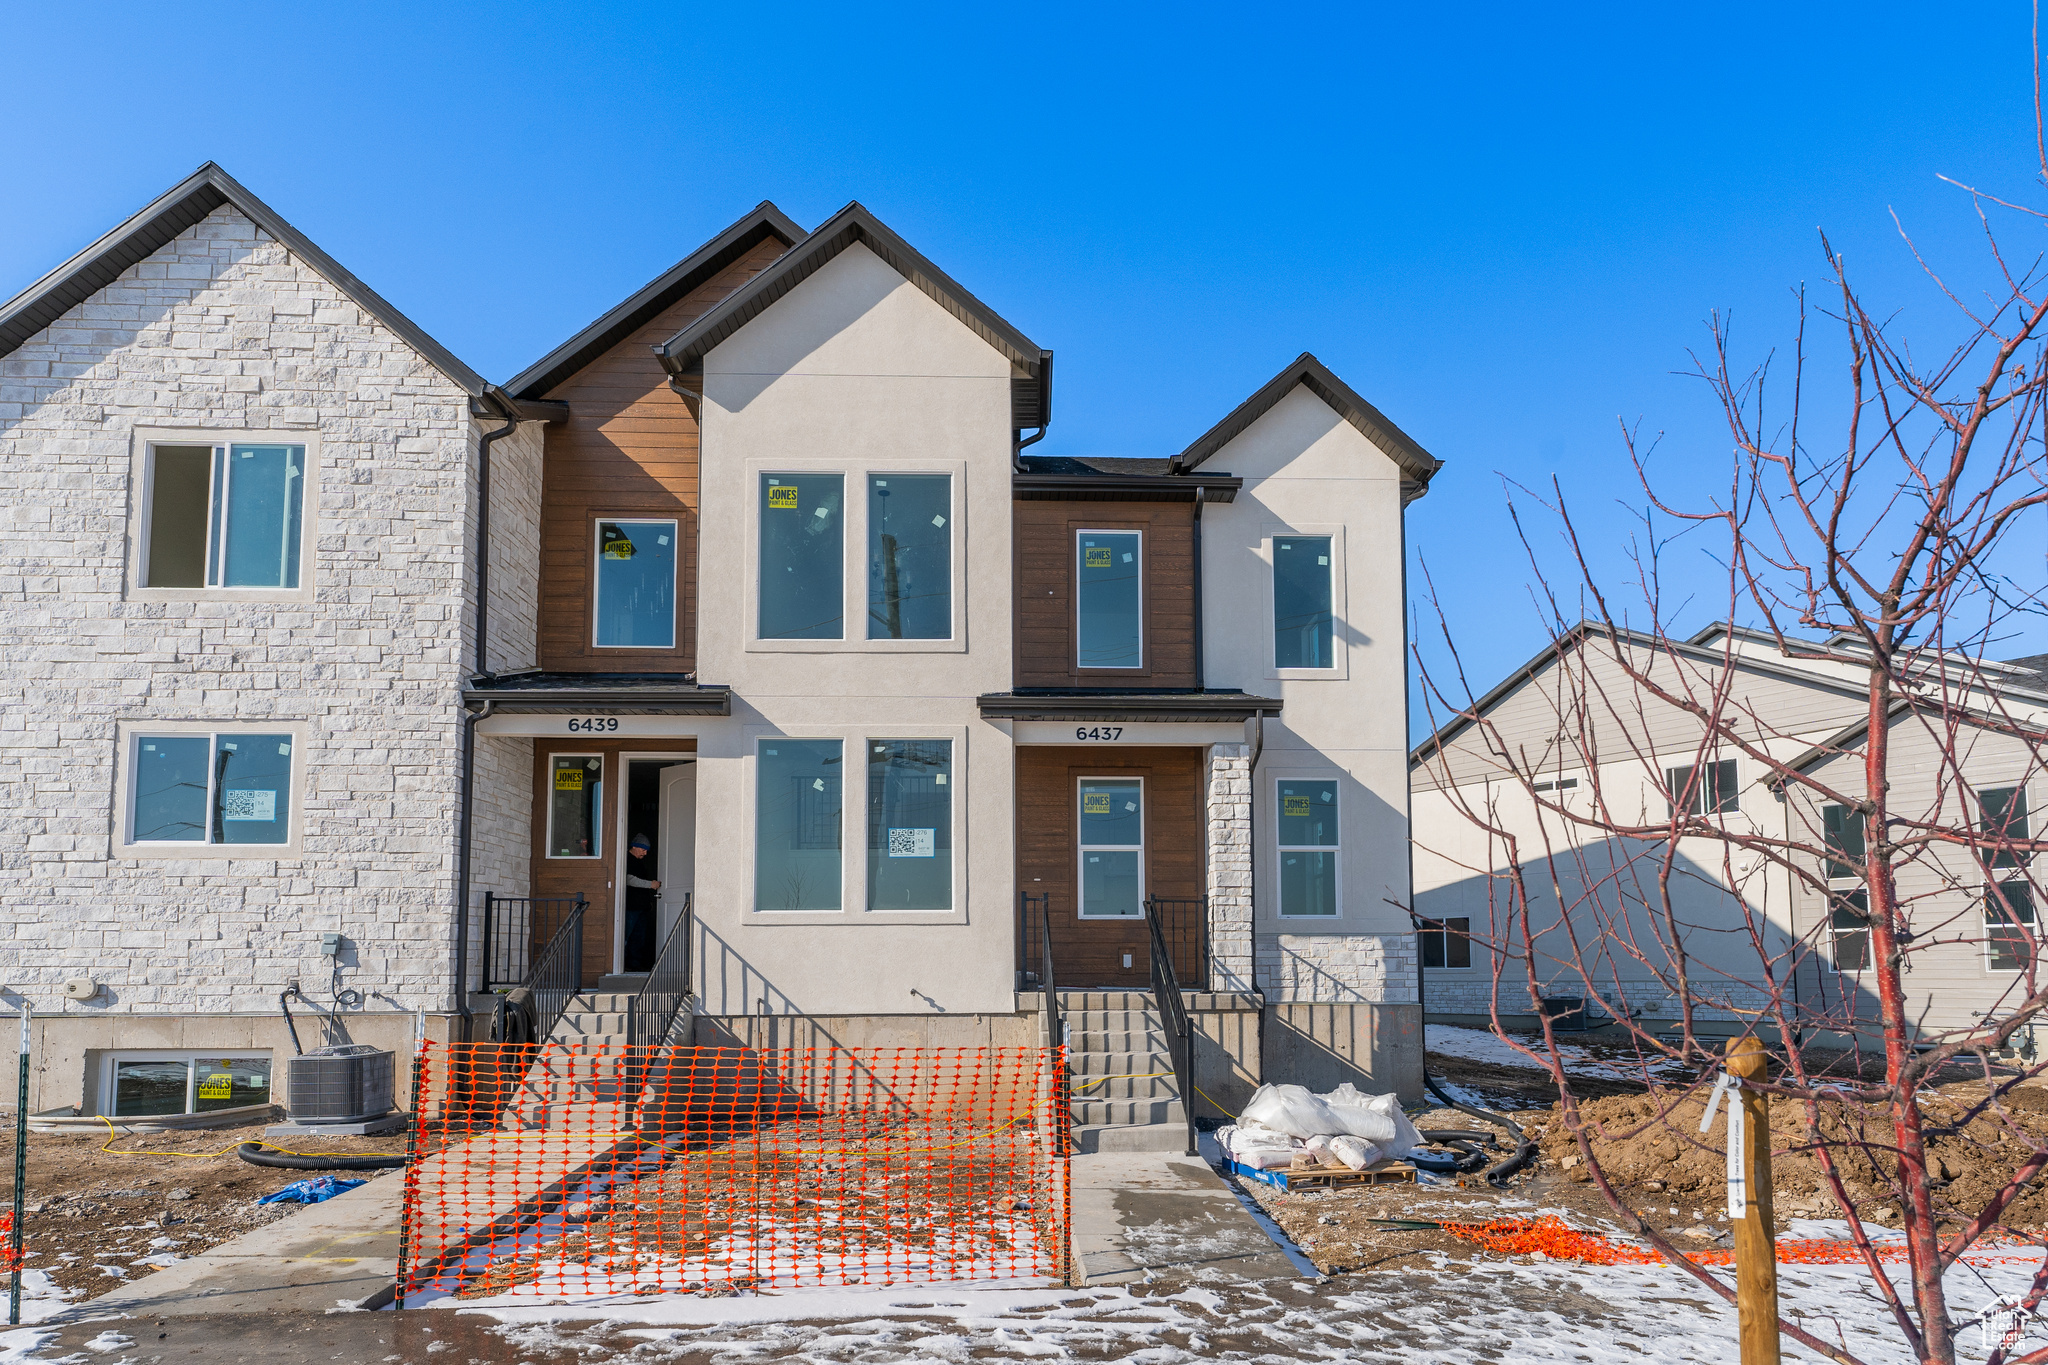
(1308, 838)
(576, 806)
(1112, 847)
(147, 1083)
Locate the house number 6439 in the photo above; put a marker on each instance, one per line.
(588, 724)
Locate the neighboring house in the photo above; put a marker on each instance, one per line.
(1596, 899)
(778, 611)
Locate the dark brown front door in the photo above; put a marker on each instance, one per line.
(1137, 813)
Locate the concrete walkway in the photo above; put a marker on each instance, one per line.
(1136, 1213)
(322, 1257)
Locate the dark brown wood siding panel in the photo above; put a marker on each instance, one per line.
(629, 449)
(1090, 952)
(591, 878)
(1045, 592)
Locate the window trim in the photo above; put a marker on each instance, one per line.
(128, 734)
(853, 572)
(675, 590)
(1081, 850)
(1144, 664)
(547, 791)
(110, 1059)
(1280, 850)
(142, 491)
(1340, 650)
(1442, 927)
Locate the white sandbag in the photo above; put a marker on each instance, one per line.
(1266, 1158)
(1356, 1153)
(1262, 1149)
(1376, 1118)
(1292, 1110)
(1319, 1148)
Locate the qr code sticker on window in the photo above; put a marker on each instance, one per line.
(248, 805)
(912, 843)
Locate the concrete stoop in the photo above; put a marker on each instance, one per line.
(1123, 1095)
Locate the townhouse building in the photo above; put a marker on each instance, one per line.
(1609, 914)
(745, 623)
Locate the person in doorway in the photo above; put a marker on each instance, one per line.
(640, 907)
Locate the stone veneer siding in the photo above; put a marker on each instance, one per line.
(1228, 803)
(1330, 969)
(222, 329)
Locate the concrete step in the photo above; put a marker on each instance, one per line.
(1124, 1137)
(611, 1001)
(1089, 1112)
(577, 1023)
(1105, 1000)
(1122, 1040)
(583, 1117)
(1111, 1021)
(1142, 1086)
(1081, 1064)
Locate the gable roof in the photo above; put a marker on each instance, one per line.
(1030, 366)
(1417, 463)
(765, 222)
(1579, 634)
(172, 212)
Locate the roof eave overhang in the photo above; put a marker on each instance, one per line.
(172, 212)
(1030, 365)
(1125, 707)
(1125, 487)
(763, 223)
(682, 701)
(1418, 466)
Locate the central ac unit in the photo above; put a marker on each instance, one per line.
(346, 1084)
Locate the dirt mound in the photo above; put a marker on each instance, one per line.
(1651, 1144)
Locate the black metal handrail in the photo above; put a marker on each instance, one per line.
(514, 926)
(1039, 927)
(1173, 1016)
(652, 1011)
(557, 973)
(1184, 925)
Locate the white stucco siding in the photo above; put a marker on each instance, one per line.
(1309, 472)
(856, 370)
(221, 331)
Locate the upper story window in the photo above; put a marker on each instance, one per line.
(636, 584)
(803, 557)
(1703, 789)
(1304, 622)
(2002, 814)
(1842, 833)
(910, 556)
(910, 824)
(231, 787)
(224, 516)
(1308, 848)
(1109, 623)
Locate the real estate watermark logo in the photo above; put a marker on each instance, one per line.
(2005, 1323)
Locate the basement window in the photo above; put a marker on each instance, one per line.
(231, 787)
(143, 1084)
(1447, 943)
(224, 516)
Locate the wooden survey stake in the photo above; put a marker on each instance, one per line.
(1756, 1243)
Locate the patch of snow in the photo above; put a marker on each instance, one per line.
(1479, 1045)
(40, 1297)
(109, 1340)
(19, 1346)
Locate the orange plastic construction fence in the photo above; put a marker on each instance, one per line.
(1553, 1238)
(591, 1170)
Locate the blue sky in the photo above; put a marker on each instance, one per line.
(1504, 226)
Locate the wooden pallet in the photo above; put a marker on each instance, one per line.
(1327, 1177)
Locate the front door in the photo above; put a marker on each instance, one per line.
(678, 843)
(1099, 832)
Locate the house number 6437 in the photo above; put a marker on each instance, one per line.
(1099, 732)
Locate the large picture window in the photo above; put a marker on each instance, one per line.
(231, 787)
(910, 824)
(803, 557)
(636, 585)
(910, 557)
(1308, 840)
(1109, 569)
(157, 1083)
(225, 516)
(1112, 839)
(798, 799)
(575, 806)
(1304, 622)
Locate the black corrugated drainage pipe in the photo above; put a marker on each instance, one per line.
(253, 1153)
(1525, 1150)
